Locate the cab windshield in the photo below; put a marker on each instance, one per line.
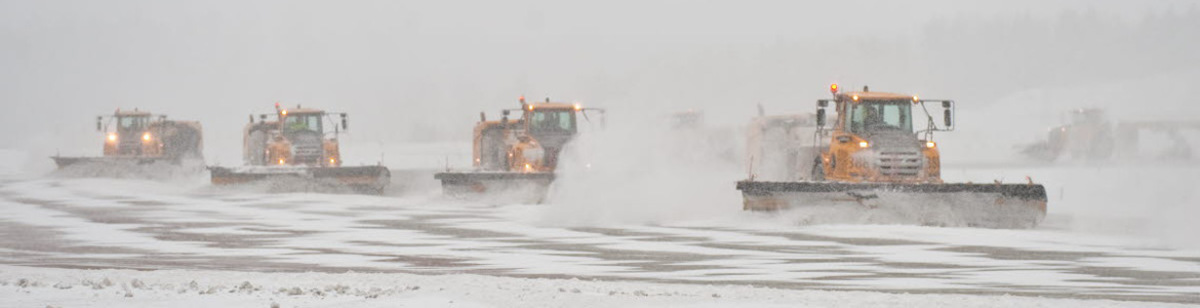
(553, 121)
(128, 123)
(875, 116)
(302, 122)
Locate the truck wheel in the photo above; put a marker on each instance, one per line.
(818, 170)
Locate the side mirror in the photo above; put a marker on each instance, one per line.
(820, 117)
(948, 113)
(482, 117)
(345, 123)
(252, 118)
(99, 127)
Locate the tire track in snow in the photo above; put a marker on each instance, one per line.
(95, 223)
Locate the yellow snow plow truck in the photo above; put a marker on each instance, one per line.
(298, 151)
(872, 160)
(134, 137)
(514, 160)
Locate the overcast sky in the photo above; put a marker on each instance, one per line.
(422, 70)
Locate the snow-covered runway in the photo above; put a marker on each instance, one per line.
(129, 224)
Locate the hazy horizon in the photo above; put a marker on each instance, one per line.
(421, 72)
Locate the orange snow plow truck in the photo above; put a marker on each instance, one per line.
(514, 160)
(871, 159)
(298, 150)
(134, 137)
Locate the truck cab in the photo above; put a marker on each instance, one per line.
(548, 127)
(530, 143)
(297, 136)
(132, 135)
(873, 140)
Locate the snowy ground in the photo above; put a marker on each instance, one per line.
(40, 287)
(513, 254)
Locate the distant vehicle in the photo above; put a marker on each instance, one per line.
(780, 147)
(140, 138)
(689, 119)
(1091, 136)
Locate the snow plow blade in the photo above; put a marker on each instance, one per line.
(518, 187)
(1007, 206)
(126, 167)
(360, 179)
(63, 161)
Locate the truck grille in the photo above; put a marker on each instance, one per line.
(130, 146)
(902, 164)
(307, 153)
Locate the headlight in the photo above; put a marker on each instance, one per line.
(146, 137)
(112, 137)
(863, 144)
(930, 144)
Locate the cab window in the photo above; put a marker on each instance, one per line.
(302, 122)
(881, 116)
(132, 122)
(553, 121)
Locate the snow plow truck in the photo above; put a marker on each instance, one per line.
(298, 150)
(134, 137)
(872, 161)
(1091, 136)
(514, 160)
